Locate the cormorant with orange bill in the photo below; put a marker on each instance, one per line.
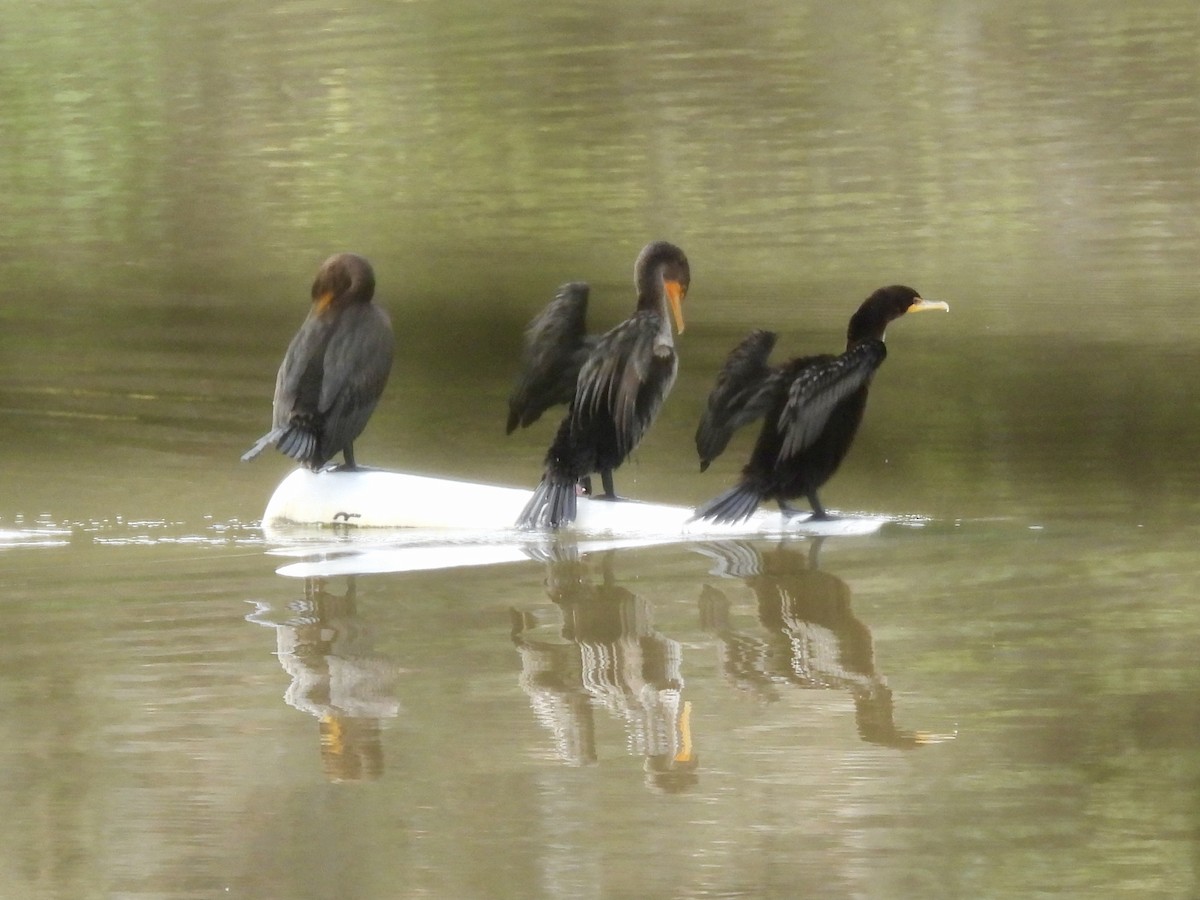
(614, 385)
(812, 408)
(334, 370)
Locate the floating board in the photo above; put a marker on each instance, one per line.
(401, 522)
(375, 498)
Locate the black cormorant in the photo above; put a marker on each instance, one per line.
(614, 384)
(812, 408)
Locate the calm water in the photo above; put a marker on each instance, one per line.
(995, 697)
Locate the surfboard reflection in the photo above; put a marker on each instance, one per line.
(607, 655)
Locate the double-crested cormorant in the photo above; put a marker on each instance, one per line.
(614, 384)
(812, 406)
(334, 369)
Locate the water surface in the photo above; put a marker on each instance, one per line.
(994, 696)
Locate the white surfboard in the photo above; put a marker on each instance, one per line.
(375, 498)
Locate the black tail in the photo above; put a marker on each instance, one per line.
(298, 443)
(734, 505)
(262, 444)
(552, 505)
(301, 445)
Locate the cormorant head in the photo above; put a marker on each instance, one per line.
(884, 306)
(342, 278)
(662, 271)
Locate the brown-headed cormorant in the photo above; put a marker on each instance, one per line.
(334, 369)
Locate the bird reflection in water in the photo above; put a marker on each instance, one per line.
(336, 677)
(810, 639)
(607, 655)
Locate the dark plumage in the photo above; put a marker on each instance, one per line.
(744, 385)
(812, 408)
(334, 370)
(614, 385)
(556, 345)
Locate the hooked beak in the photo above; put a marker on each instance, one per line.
(920, 305)
(675, 294)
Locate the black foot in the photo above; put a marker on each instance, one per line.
(818, 513)
(606, 480)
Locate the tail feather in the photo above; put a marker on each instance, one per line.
(734, 505)
(552, 505)
(262, 444)
(298, 443)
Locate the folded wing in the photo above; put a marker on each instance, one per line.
(819, 387)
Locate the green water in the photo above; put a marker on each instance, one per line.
(994, 698)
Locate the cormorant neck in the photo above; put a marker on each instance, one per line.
(650, 292)
(652, 297)
(869, 323)
(661, 278)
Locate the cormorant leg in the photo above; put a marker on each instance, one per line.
(584, 486)
(348, 455)
(818, 511)
(606, 479)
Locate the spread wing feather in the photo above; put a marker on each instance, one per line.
(743, 393)
(556, 345)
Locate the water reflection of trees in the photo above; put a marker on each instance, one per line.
(608, 655)
(336, 676)
(808, 636)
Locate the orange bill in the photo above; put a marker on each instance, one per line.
(675, 293)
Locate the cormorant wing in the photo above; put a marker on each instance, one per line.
(556, 344)
(611, 381)
(358, 360)
(302, 372)
(743, 392)
(819, 387)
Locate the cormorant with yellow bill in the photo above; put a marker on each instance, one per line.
(812, 407)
